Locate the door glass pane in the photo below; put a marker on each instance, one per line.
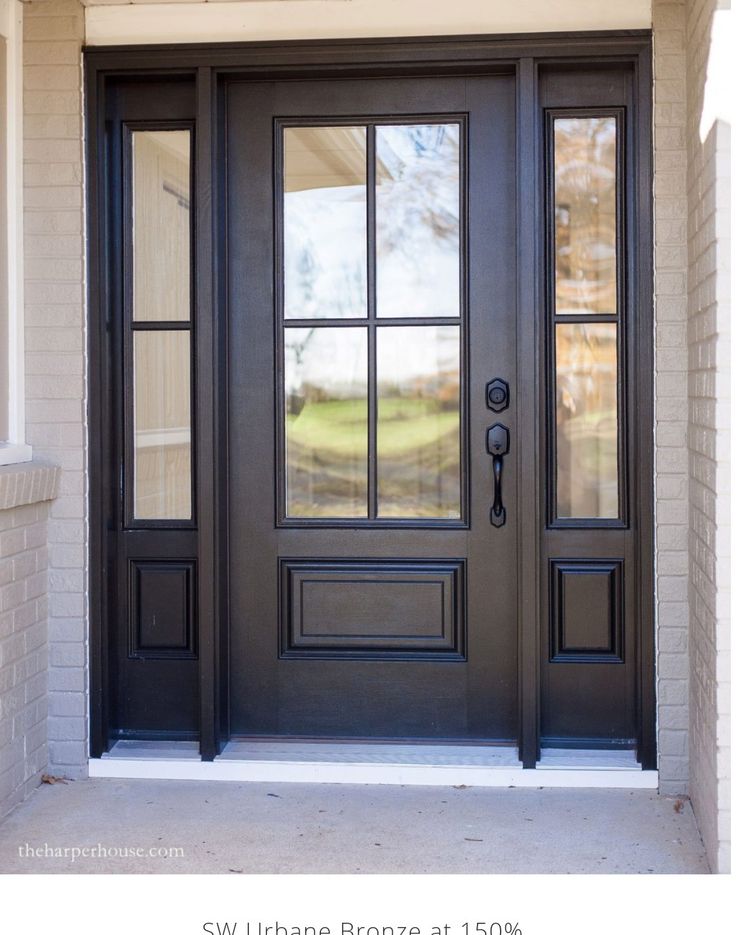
(585, 214)
(161, 225)
(418, 372)
(418, 220)
(587, 421)
(326, 421)
(162, 425)
(325, 222)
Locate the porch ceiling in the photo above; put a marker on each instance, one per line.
(113, 22)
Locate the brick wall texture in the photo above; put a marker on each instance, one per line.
(55, 342)
(23, 641)
(671, 462)
(709, 444)
(690, 335)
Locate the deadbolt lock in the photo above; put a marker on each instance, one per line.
(497, 395)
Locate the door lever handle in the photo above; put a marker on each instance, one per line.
(497, 443)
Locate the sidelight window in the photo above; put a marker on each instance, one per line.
(160, 323)
(585, 221)
(372, 321)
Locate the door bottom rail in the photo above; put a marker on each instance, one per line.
(374, 764)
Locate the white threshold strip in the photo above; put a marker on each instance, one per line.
(375, 764)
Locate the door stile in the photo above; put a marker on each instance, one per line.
(642, 356)
(206, 417)
(98, 403)
(529, 411)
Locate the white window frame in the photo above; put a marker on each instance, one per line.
(13, 447)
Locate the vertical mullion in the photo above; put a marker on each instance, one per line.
(529, 414)
(371, 301)
(203, 415)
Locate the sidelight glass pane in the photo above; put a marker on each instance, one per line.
(161, 225)
(418, 371)
(325, 248)
(585, 214)
(162, 425)
(418, 220)
(325, 396)
(587, 421)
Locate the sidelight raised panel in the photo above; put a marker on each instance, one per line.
(373, 608)
(162, 609)
(586, 612)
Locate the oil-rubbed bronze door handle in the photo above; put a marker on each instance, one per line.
(497, 443)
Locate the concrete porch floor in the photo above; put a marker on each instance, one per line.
(227, 827)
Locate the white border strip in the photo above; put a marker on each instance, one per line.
(13, 449)
(371, 773)
(140, 22)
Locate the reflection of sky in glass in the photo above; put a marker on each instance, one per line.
(335, 359)
(417, 220)
(324, 222)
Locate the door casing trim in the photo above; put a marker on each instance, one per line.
(339, 58)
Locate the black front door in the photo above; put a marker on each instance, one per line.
(371, 415)
(371, 244)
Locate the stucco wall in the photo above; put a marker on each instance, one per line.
(708, 142)
(55, 343)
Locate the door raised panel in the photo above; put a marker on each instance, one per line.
(162, 610)
(373, 608)
(586, 611)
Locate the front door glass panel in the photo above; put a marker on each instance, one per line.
(419, 421)
(324, 222)
(159, 339)
(326, 421)
(586, 260)
(418, 220)
(587, 420)
(585, 215)
(372, 233)
(161, 425)
(161, 225)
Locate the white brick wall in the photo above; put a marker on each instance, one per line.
(55, 342)
(670, 234)
(691, 593)
(24, 495)
(709, 444)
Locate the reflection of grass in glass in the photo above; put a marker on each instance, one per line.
(337, 425)
(407, 424)
(418, 458)
(588, 484)
(327, 455)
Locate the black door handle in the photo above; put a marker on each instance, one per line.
(497, 443)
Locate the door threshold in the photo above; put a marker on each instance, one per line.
(374, 764)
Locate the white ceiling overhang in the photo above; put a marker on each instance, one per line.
(122, 22)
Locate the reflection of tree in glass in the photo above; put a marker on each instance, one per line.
(585, 214)
(587, 420)
(296, 397)
(417, 219)
(425, 160)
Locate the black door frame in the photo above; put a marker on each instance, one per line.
(206, 65)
